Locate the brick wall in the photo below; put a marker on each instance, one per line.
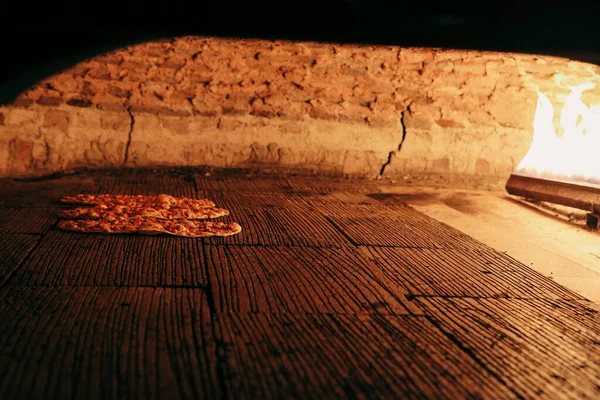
(321, 107)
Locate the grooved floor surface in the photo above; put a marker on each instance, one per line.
(328, 292)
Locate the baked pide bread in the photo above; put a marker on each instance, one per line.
(151, 226)
(151, 215)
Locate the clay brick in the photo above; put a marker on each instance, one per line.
(56, 119)
(39, 155)
(145, 109)
(179, 126)
(150, 90)
(353, 71)
(384, 115)
(157, 49)
(134, 75)
(479, 84)
(79, 69)
(378, 121)
(482, 166)
(416, 122)
(260, 109)
(480, 117)
(304, 59)
(264, 111)
(289, 46)
(1, 118)
(99, 71)
(379, 86)
(22, 154)
(286, 155)
(110, 58)
(326, 111)
(387, 54)
(106, 99)
(183, 94)
(173, 113)
(321, 83)
(120, 122)
(214, 62)
(276, 100)
(436, 68)
(89, 88)
(261, 90)
(35, 92)
(238, 63)
(443, 81)
(226, 78)
(362, 95)
(207, 104)
(292, 128)
(470, 67)
(206, 111)
(259, 152)
(229, 123)
(274, 58)
(501, 68)
(240, 93)
(173, 62)
(501, 107)
(330, 95)
(23, 116)
(300, 76)
(111, 106)
(163, 75)
(200, 77)
(423, 104)
(293, 110)
(541, 69)
(441, 164)
(48, 101)
(181, 106)
(205, 100)
(410, 56)
(140, 64)
(200, 123)
(119, 91)
(23, 102)
(79, 103)
(354, 119)
(448, 123)
(236, 107)
(322, 70)
(64, 83)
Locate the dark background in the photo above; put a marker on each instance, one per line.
(39, 40)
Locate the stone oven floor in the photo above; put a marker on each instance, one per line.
(334, 288)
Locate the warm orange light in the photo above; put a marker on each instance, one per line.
(572, 156)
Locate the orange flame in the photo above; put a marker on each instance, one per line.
(572, 156)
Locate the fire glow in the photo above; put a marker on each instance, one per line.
(573, 155)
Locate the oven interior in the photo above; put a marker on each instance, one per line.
(405, 233)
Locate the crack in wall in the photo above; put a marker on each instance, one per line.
(393, 152)
(130, 134)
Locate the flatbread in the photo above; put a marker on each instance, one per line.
(102, 211)
(150, 215)
(151, 226)
(161, 201)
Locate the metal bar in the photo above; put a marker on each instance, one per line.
(565, 193)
